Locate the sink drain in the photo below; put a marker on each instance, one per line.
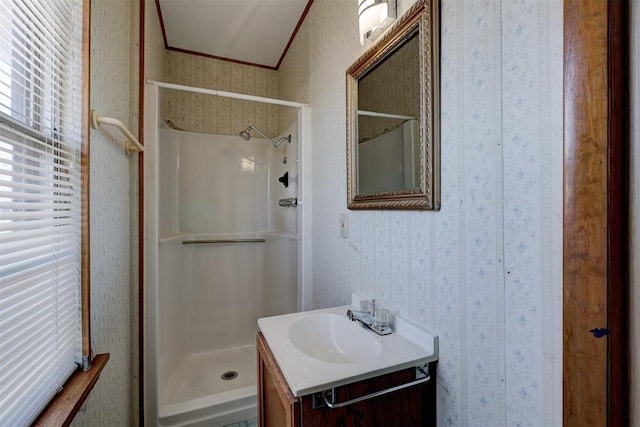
(229, 375)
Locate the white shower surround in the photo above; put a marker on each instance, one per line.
(209, 299)
(204, 299)
(485, 272)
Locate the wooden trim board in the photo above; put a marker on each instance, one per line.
(594, 218)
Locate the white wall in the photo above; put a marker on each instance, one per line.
(634, 216)
(485, 272)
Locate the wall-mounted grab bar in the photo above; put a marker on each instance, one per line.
(129, 147)
(199, 242)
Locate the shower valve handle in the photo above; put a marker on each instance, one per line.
(284, 179)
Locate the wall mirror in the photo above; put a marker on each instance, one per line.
(393, 117)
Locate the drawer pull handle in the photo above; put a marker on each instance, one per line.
(334, 405)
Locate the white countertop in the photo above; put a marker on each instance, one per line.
(409, 345)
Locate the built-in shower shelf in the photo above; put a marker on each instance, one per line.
(225, 238)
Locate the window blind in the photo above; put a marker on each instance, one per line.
(40, 202)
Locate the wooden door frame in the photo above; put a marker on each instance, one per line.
(595, 225)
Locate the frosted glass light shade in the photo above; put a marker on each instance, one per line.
(374, 15)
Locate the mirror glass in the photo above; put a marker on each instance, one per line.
(388, 111)
(392, 117)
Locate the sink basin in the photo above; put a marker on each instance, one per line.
(320, 349)
(335, 339)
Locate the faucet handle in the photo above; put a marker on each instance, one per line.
(365, 306)
(383, 318)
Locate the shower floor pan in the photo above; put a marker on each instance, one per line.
(213, 388)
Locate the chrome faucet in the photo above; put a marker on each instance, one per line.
(369, 320)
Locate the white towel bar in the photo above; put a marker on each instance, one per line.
(129, 147)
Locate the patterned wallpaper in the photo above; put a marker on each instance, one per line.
(155, 56)
(213, 114)
(113, 228)
(484, 272)
(293, 82)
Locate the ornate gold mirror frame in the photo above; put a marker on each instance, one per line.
(422, 17)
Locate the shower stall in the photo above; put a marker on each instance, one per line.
(227, 243)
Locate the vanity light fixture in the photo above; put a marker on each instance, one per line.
(374, 16)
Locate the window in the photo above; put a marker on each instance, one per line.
(40, 202)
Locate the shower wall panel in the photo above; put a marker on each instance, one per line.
(222, 184)
(168, 177)
(280, 262)
(225, 294)
(213, 184)
(222, 187)
(210, 296)
(173, 309)
(284, 160)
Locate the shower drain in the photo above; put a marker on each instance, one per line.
(229, 375)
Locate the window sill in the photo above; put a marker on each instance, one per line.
(66, 404)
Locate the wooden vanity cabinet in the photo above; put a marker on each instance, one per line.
(278, 407)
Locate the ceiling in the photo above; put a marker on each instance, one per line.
(255, 32)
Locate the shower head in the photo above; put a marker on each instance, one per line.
(246, 135)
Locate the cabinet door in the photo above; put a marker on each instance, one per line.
(277, 407)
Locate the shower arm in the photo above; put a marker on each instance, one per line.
(275, 144)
